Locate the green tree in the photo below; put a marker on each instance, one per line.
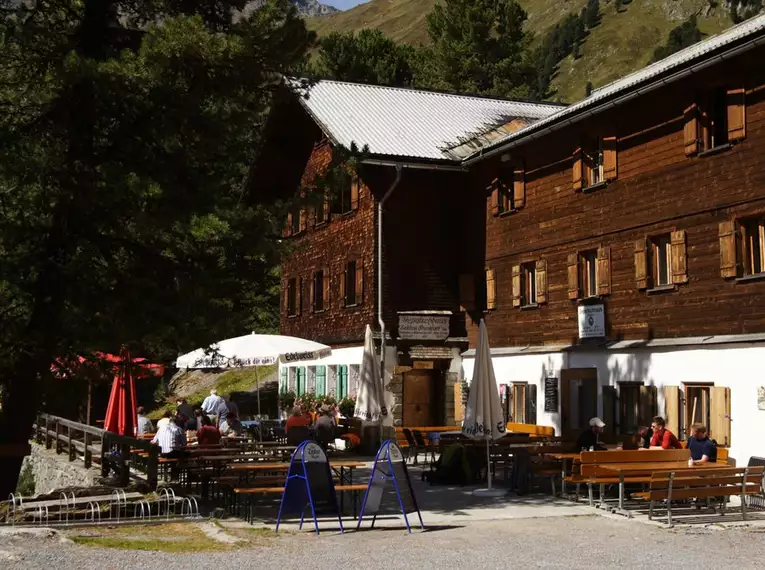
(367, 57)
(682, 36)
(477, 46)
(592, 14)
(588, 89)
(128, 131)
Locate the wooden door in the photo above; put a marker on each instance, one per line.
(575, 418)
(719, 416)
(418, 398)
(672, 409)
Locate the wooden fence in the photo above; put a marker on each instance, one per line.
(95, 445)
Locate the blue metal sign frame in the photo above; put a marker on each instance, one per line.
(297, 488)
(382, 472)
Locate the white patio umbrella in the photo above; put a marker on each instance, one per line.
(253, 350)
(369, 397)
(483, 415)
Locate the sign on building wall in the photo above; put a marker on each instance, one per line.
(551, 395)
(423, 327)
(592, 321)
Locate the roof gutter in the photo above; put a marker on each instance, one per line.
(414, 165)
(521, 138)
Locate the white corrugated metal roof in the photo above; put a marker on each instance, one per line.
(407, 122)
(737, 33)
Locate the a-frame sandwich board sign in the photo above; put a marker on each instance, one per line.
(389, 466)
(309, 483)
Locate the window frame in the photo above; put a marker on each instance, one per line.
(319, 303)
(715, 109)
(661, 244)
(594, 161)
(341, 203)
(529, 284)
(744, 249)
(588, 276)
(292, 297)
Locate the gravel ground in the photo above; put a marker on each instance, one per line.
(565, 542)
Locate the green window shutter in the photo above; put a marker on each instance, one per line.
(284, 381)
(321, 380)
(342, 381)
(300, 380)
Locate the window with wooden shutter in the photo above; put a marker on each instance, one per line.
(531, 404)
(610, 159)
(642, 277)
(691, 130)
(727, 235)
(355, 185)
(303, 220)
(736, 114)
(467, 291)
(719, 415)
(678, 258)
(648, 407)
(750, 237)
(519, 188)
(578, 174)
(516, 278)
(573, 276)
(359, 283)
(541, 281)
(501, 199)
(325, 217)
(496, 203)
(588, 273)
(292, 297)
(325, 285)
(491, 290)
(299, 296)
(603, 272)
(661, 260)
(343, 283)
(288, 228)
(312, 292)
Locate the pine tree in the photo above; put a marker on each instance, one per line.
(588, 89)
(592, 14)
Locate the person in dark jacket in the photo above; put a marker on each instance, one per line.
(703, 449)
(590, 438)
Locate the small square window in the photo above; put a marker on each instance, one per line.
(661, 260)
(528, 284)
(593, 162)
(318, 291)
(588, 273)
(717, 119)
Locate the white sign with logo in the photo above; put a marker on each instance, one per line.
(395, 453)
(592, 321)
(312, 453)
(423, 327)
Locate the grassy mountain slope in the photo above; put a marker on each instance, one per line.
(622, 43)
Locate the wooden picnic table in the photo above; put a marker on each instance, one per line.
(244, 468)
(636, 470)
(564, 458)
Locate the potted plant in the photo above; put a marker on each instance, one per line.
(346, 406)
(287, 401)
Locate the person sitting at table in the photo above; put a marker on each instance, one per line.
(164, 420)
(144, 424)
(171, 441)
(208, 434)
(644, 437)
(703, 449)
(589, 440)
(296, 419)
(663, 438)
(198, 415)
(231, 426)
(324, 428)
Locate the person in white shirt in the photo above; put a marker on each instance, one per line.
(144, 424)
(211, 404)
(172, 443)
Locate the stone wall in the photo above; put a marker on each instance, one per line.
(52, 471)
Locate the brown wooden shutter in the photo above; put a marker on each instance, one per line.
(641, 264)
(610, 165)
(303, 219)
(288, 228)
(311, 216)
(530, 417)
(286, 289)
(495, 198)
(516, 285)
(728, 264)
(719, 415)
(467, 291)
(609, 408)
(679, 259)
(648, 406)
(355, 193)
(343, 280)
(578, 171)
(299, 296)
(325, 290)
(736, 114)
(491, 290)
(604, 271)
(672, 409)
(326, 207)
(312, 292)
(359, 277)
(573, 276)
(519, 188)
(691, 130)
(541, 276)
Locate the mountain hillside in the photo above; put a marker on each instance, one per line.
(623, 42)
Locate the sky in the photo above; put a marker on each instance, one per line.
(343, 4)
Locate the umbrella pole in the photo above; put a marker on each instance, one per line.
(90, 392)
(488, 464)
(260, 418)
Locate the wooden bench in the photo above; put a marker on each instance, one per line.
(251, 491)
(594, 467)
(693, 484)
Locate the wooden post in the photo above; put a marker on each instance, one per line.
(88, 454)
(152, 467)
(48, 441)
(38, 431)
(104, 456)
(124, 465)
(72, 451)
(58, 437)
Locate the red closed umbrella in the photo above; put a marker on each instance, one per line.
(121, 416)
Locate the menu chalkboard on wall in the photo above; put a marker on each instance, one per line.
(551, 395)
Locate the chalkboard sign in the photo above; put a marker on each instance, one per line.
(389, 466)
(309, 483)
(551, 395)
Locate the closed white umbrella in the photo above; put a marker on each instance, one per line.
(369, 397)
(253, 350)
(483, 415)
